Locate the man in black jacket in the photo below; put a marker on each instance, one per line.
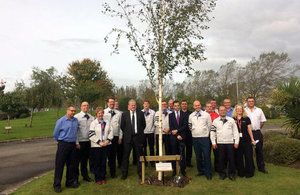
(178, 124)
(133, 125)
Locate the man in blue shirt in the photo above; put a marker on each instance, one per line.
(65, 133)
(229, 109)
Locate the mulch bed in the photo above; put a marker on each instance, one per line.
(171, 181)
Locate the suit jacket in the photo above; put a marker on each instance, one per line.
(183, 123)
(126, 126)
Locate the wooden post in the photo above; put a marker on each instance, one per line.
(177, 167)
(143, 172)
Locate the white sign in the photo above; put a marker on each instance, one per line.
(163, 166)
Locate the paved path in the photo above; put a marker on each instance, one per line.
(22, 161)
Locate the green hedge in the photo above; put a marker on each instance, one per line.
(280, 149)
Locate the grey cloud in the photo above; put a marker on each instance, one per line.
(72, 41)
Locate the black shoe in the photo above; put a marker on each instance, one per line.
(113, 175)
(264, 171)
(200, 174)
(88, 179)
(189, 165)
(222, 177)
(231, 177)
(74, 185)
(208, 177)
(57, 189)
(124, 177)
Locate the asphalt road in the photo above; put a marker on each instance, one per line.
(22, 161)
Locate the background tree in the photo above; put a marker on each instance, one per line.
(262, 74)
(169, 40)
(287, 96)
(12, 104)
(89, 82)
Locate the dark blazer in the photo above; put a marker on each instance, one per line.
(183, 123)
(126, 126)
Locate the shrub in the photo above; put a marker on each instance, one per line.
(281, 150)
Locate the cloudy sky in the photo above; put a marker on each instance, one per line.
(57, 32)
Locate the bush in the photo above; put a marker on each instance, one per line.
(23, 115)
(281, 150)
(270, 113)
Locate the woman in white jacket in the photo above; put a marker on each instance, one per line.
(100, 135)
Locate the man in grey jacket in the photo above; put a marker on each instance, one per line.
(200, 125)
(224, 137)
(114, 117)
(82, 142)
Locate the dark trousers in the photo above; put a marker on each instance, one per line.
(244, 151)
(113, 148)
(100, 156)
(226, 152)
(82, 157)
(135, 143)
(149, 138)
(134, 159)
(177, 147)
(202, 149)
(65, 154)
(189, 147)
(166, 142)
(257, 135)
(120, 154)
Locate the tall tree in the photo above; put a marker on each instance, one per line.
(169, 40)
(264, 73)
(89, 81)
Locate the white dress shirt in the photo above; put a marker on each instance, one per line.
(256, 116)
(135, 120)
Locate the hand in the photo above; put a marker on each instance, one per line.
(166, 130)
(214, 146)
(174, 132)
(179, 137)
(119, 141)
(236, 146)
(101, 143)
(78, 146)
(253, 143)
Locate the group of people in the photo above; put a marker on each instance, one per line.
(230, 132)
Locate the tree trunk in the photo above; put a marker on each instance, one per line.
(160, 74)
(31, 117)
(57, 114)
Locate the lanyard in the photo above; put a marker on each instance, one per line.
(239, 122)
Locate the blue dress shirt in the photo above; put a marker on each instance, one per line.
(229, 113)
(66, 129)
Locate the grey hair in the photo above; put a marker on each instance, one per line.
(132, 100)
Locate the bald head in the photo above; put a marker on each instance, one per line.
(197, 105)
(84, 107)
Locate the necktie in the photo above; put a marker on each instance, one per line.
(165, 113)
(224, 120)
(177, 118)
(87, 116)
(133, 124)
(112, 112)
(146, 113)
(198, 114)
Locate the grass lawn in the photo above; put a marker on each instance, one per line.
(280, 180)
(276, 121)
(43, 125)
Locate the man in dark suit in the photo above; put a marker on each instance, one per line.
(178, 124)
(133, 125)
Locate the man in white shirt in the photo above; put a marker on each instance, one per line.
(224, 137)
(149, 130)
(257, 118)
(200, 125)
(83, 144)
(114, 118)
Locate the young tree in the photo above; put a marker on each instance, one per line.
(165, 35)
